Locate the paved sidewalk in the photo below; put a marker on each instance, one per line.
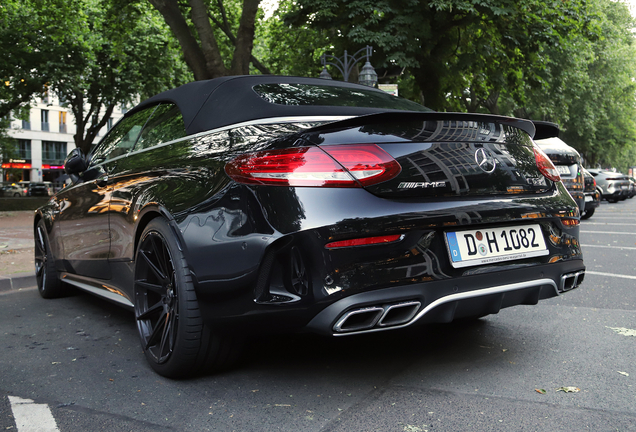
(16, 250)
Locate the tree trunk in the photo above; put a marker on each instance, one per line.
(245, 38)
(209, 47)
(192, 52)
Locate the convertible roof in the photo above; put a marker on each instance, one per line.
(225, 101)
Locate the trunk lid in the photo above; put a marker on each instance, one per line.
(445, 155)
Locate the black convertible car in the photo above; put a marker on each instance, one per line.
(252, 204)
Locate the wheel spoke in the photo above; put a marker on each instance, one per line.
(151, 310)
(152, 265)
(40, 241)
(159, 255)
(166, 335)
(143, 283)
(157, 331)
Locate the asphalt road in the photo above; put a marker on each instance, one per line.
(81, 359)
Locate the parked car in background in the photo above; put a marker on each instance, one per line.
(613, 186)
(40, 189)
(565, 158)
(13, 190)
(632, 187)
(250, 204)
(592, 195)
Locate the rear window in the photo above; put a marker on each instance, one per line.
(326, 95)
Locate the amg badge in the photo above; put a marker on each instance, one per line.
(421, 185)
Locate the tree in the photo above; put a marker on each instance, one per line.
(198, 25)
(40, 45)
(590, 89)
(448, 46)
(128, 55)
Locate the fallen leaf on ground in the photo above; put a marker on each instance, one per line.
(623, 373)
(569, 389)
(542, 391)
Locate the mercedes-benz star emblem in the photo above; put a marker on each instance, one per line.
(485, 160)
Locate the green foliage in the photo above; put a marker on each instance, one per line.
(572, 62)
(93, 53)
(289, 50)
(128, 54)
(37, 48)
(589, 89)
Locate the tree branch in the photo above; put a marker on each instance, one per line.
(192, 53)
(226, 29)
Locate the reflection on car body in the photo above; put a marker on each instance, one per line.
(251, 204)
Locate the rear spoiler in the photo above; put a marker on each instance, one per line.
(545, 130)
(391, 116)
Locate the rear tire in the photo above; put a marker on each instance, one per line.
(47, 278)
(174, 338)
(588, 214)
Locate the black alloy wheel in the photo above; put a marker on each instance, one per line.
(156, 298)
(49, 284)
(173, 336)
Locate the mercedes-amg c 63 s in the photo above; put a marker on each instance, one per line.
(250, 204)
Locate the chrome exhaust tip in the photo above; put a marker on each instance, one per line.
(359, 319)
(377, 316)
(570, 281)
(399, 313)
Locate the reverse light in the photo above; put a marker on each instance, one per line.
(329, 166)
(365, 241)
(545, 165)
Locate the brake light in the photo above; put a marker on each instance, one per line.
(365, 241)
(545, 165)
(329, 166)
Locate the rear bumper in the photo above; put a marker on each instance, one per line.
(592, 200)
(445, 301)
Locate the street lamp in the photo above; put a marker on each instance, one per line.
(367, 75)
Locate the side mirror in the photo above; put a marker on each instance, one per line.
(75, 162)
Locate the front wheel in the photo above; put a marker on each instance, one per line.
(174, 338)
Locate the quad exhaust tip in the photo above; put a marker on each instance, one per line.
(569, 281)
(377, 316)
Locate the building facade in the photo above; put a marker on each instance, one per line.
(44, 141)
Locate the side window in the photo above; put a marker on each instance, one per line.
(166, 124)
(121, 139)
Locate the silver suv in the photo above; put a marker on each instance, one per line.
(613, 186)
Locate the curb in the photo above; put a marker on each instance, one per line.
(17, 281)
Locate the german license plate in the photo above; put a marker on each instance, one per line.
(493, 245)
(563, 169)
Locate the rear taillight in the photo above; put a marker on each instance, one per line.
(351, 165)
(364, 241)
(545, 165)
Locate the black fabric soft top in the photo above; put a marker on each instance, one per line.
(219, 102)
